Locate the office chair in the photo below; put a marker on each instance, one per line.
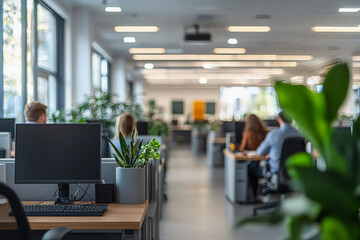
(290, 146)
(21, 219)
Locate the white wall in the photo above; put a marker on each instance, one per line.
(118, 78)
(164, 97)
(81, 50)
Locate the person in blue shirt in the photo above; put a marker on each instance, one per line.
(272, 146)
(125, 123)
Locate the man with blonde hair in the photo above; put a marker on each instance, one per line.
(35, 112)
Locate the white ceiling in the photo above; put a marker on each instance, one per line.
(290, 22)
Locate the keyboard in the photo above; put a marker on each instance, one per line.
(64, 210)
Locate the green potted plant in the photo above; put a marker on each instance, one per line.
(330, 198)
(130, 175)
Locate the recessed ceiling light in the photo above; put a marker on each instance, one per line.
(248, 28)
(336, 29)
(349, 10)
(202, 80)
(229, 50)
(148, 66)
(113, 9)
(129, 39)
(136, 28)
(232, 41)
(207, 66)
(146, 50)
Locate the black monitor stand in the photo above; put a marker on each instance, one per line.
(64, 194)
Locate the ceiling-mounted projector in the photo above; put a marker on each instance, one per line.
(197, 37)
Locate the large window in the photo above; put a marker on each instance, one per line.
(100, 73)
(48, 46)
(238, 102)
(12, 59)
(31, 65)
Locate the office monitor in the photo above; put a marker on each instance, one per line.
(228, 126)
(271, 123)
(58, 153)
(8, 125)
(239, 129)
(5, 144)
(142, 128)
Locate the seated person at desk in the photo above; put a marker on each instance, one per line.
(272, 145)
(254, 133)
(35, 112)
(125, 123)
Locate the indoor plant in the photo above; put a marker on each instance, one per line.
(330, 199)
(130, 175)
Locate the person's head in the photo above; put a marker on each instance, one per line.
(125, 123)
(283, 119)
(253, 123)
(35, 112)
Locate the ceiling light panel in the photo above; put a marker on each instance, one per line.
(336, 29)
(214, 76)
(136, 28)
(273, 71)
(248, 28)
(209, 57)
(229, 50)
(112, 9)
(349, 10)
(223, 64)
(147, 50)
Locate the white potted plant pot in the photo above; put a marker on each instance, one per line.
(130, 185)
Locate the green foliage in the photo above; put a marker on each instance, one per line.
(159, 128)
(135, 154)
(104, 108)
(214, 125)
(335, 191)
(150, 150)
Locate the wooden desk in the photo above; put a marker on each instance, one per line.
(116, 217)
(239, 156)
(220, 140)
(236, 175)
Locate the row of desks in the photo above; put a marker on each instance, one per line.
(117, 217)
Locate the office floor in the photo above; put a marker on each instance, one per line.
(196, 206)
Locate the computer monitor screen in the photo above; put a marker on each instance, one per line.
(8, 125)
(5, 145)
(142, 128)
(239, 129)
(228, 126)
(271, 123)
(58, 153)
(177, 107)
(210, 108)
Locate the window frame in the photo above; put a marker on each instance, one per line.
(108, 72)
(60, 52)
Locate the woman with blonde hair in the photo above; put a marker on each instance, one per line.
(125, 123)
(254, 133)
